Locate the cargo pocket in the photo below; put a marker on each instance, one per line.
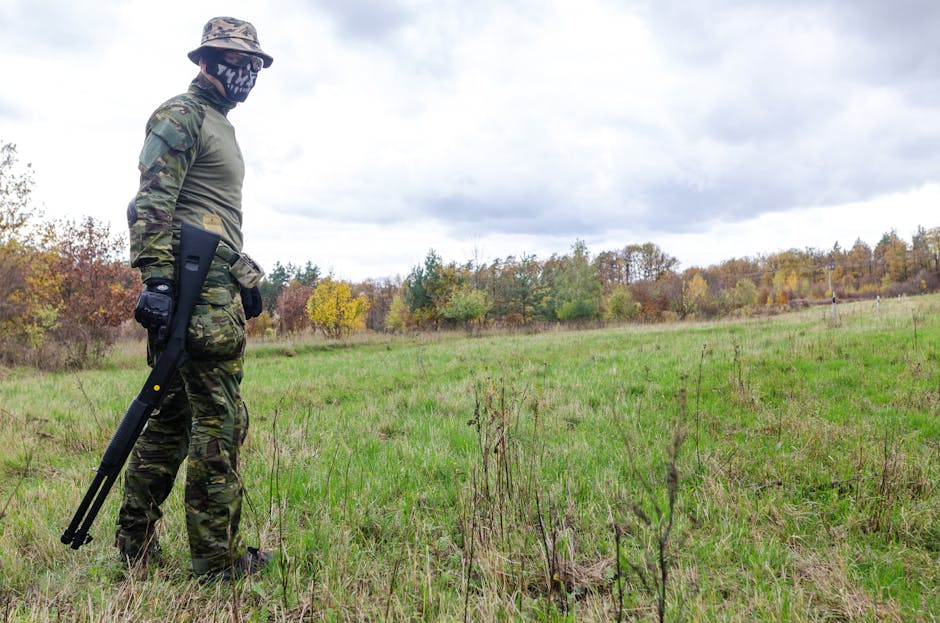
(216, 331)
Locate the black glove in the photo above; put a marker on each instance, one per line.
(155, 308)
(251, 301)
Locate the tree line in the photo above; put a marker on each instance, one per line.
(639, 282)
(67, 292)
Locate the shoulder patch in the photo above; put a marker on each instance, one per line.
(172, 129)
(178, 122)
(173, 134)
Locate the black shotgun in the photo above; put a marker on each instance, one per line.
(197, 247)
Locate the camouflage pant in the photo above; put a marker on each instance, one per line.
(203, 419)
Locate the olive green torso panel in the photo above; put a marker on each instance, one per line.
(191, 170)
(211, 195)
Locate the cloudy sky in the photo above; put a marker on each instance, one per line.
(384, 128)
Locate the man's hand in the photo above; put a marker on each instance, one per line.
(155, 307)
(251, 301)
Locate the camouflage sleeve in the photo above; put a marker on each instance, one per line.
(167, 154)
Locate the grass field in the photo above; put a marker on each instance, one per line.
(781, 469)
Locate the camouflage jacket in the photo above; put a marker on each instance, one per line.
(191, 170)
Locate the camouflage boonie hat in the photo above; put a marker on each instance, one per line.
(228, 33)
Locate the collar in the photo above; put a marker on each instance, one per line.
(206, 91)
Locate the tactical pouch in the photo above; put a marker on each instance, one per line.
(245, 270)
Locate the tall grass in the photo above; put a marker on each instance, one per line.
(507, 477)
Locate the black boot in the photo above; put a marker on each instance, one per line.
(251, 563)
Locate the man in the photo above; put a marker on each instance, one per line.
(191, 171)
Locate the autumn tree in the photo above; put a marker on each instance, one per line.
(15, 240)
(891, 259)
(334, 310)
(694, 294)
(379, 293)
(97, 289)
(398, 315)
(921, 254)
(576, 290)
(272, 284)
(660, 299)
(292, 308)
(619, 305)
(859, 267)
(29, 306)
(745, 293)
(726, 274)
(932, 239)
(520, 289)
(16, 188)
(64, 287)
(281, 275)
(451, 278)
(262, 326)
(421, 286)
(650, 262)
(466, 306)
(614, 269)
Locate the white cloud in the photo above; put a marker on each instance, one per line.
(494, 128)
(818, 227)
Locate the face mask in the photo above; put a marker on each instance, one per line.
(237, 81)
